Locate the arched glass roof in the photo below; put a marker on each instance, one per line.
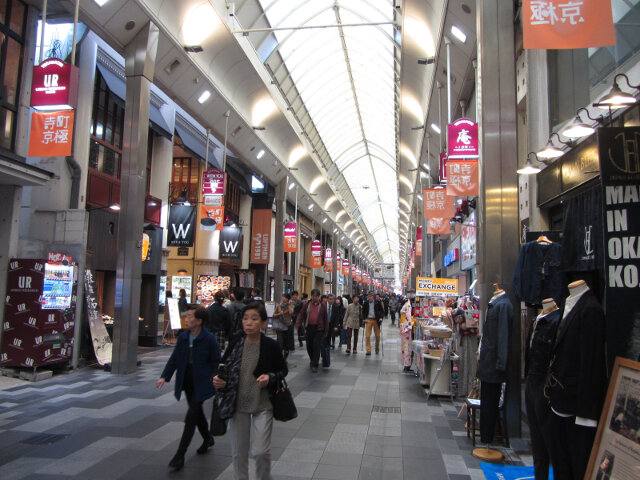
(345, 76)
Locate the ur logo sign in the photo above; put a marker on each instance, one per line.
(51, 80)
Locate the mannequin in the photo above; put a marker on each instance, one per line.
(493, 363)
(577, 381)
(537, 358)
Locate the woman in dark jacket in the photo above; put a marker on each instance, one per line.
(252, 362)
(195, 358)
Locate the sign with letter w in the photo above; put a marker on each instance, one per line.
(181, 220)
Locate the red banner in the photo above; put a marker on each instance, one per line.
(51, 134)
(213, 182)
(438, 226)
(211, 218)
(437, 204)
(569, 24)
(462, 178)
(54, 84)
(345, 267)
(261, 236)
(419, 241)
(328, 260)
(443, 168)
(316, 254)
(462, 139)
(338, 263)
(291, 237)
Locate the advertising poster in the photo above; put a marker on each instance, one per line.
(51, 134)
(462, 178)
(290, 237)
(261, 236)
(462, 140)
(211, 218)
(181, 220)
(231, 243)
(616, 449)
(434, 287)
(181, 281)
(208, 285)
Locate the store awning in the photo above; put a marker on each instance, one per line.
(118, 86)
(194, 145)
(15, 171)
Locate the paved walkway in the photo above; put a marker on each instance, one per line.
(363, 419)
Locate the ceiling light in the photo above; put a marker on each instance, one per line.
(459, 34)
(330, 202)
(529, 168)
(616, 98)
(115, 207)
(426, 166)
(550, 151)
(293, 184)
(310, 207)
(335, 230)
(260, 154)
(319, 180)
(579, 129)
(204, 96)
(435, 128)
(295, 155)
(262, 110)
(324, 221)
(101, 2)
(198, 25)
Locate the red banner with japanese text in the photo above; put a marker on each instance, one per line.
(462, 178)
(211, 218)
(338, 263)
(558, 24)
(345, 267)
(437, 204)
(290, 237)
(51, 134)
(328, 260)
(316, 254)
(438, 226)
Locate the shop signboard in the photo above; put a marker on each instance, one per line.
(419, 241)
(462, 140)
(102, 345)
(231, 243)
(181, 220)
(213, 200)
(51, 134)
(54, 85)
(462, 178)
(620, 174)
(345, 267)
(555, 25)
(435, 287)
(316, 254)
(468, 243)
(291, 237)
(174, 314)
(208, 285)
(328, 260)
(213, 182)
(438, 209)
(438, 226)
(261, 236)
(338, 263)
(385, 270)
(211, 218)
(356, 273)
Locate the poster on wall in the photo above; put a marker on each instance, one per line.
(181, 281)
(261, 236)
(208, 285)
(181, 220)
(616, 449)
(620, 176)
(231, 243)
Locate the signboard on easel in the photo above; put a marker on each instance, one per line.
(174, 313)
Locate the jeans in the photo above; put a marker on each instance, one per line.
(252, 429)
(315, 344)
(372, 324)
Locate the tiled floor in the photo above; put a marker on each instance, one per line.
(103, 426)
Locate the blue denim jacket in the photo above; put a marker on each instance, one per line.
(539, 274)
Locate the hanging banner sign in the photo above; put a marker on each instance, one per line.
(211, 218)
(438, 226)
(419, 241)
(181, 220)
(213, 182)
(328, 260)
(213, 200)
(338, 263)
(620, 174)
(51, 134)
(345, 267)
(569, 24)
(231, 243)
(291, 237)
(427, 286)
(462, 178)
(261, 236)
(437, 204)
(54, 85)
(462, 139)
(316, 254)
(443, 168)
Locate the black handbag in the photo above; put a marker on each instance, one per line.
(284, 408)
(218, 425)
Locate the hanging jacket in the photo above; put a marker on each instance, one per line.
(494, 348)
(539, 274)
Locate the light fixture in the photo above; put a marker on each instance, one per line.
(198, 25)
(101, 2)
(324, 221)
(259, 129)
(293, 184)
(204, 96)
(435, 128)
(115, 207)
(616, 98)
(260, 154)
(529, 168)
(310, 207)
(579, 129)
(459, 34)
(551, 152)
(426, 166)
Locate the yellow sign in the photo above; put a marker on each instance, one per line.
(433, 287)
(437, 311)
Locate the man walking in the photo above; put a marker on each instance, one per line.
(373, 313)
(393, 307)
(313, 316)
(352, 319)
(332, 317)
(297, 306)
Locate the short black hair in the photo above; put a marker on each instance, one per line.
(287, 296)
(182, 292)
(256, 290)
(256, 306)
(315, 291)
(200, 312)
(295, 292)
(305, 295)
(238, 293)
(322, 297)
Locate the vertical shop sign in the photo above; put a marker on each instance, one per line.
(438, 209)
(419, 241)
(291, 237)
(557, 24)
(261, 236)
(181, 220)
(620, 173)
(231, 243)
(54, 85)
(213, 182)
(462, 139)
(462, 178)
(345, 267)
(316, 254)
(211, 218)
(51, 134)
(338, 263)
(328, 260)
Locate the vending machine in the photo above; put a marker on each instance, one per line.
(39, 314)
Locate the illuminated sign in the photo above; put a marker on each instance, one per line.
(54, 85)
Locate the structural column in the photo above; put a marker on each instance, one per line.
(278, 248)
(140, 57)
(498, 202)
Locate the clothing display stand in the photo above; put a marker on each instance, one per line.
(487, 454)
(444, 362)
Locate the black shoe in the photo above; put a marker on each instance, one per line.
(377, 351)
(368, 353)
(348, 352)
(177, 462)
(314, 369)
(209, 442)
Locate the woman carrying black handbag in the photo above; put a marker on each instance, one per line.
(253, 362)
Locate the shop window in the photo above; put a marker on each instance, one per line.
(184, 179)
(232, 198)
(12, 30)
(107, 124)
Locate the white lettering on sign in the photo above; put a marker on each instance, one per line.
(230, 246)
(24, 282)
(29, 362)
(181, 231)
(545, 12)
(22, 307)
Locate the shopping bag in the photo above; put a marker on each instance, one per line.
(284, 408)
(218, 426)
(326, 354)
(343, 336)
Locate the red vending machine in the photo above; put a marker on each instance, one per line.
(39, 314)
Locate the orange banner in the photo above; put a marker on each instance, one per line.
(51, 134)
(261, 236)
(208, 215)
(437, 204)
(555, 24)
(345, 267)
(438, 226)
(462, 178)
(316, 262)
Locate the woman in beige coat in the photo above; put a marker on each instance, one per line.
(352, 319)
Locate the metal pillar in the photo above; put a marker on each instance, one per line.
(140, 58)
(278, 248)
(334, 274)
(498, 201)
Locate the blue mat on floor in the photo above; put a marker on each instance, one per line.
(494, 471)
